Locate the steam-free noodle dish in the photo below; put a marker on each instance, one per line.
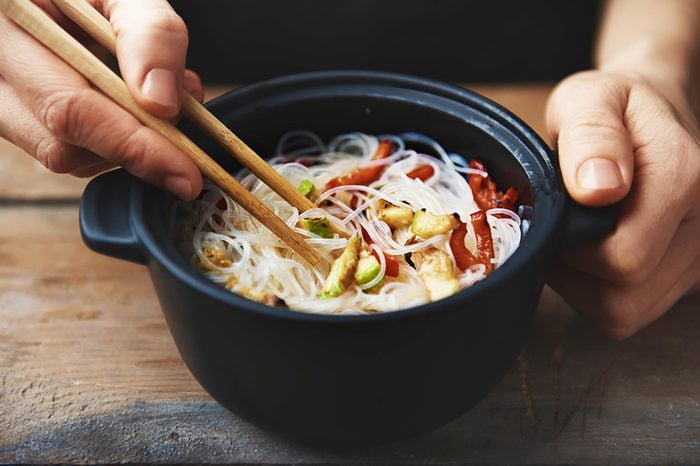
(399, 222)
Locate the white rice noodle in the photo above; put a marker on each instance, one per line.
(263, 264)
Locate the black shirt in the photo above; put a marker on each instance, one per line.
(456, 40)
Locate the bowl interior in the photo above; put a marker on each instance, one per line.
(461, 122)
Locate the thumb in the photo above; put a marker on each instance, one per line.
(151, 47)
(585, 116)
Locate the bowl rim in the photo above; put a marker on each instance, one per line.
(143, 196)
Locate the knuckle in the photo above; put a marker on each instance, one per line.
(630, 265)
(166, 22)
(169, 22)
(60, 113)
(594, 126)
(583, 87)
(602, 82)
(154, 21)
(135, 153)
(573, 81)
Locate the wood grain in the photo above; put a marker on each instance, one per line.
(22, 178)
(89, 373)
(60, 305)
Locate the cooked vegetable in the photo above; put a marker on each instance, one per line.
(421, 172)
(509, 198)
(342, 270)
(319, 226)
(365, 175)
(427, 225)
(404, 256)
(435, 269)
(463, 256)
(306, 188)
(394, 216)
(484, 191)
(368, 268)
(392, 263)
(484, 244)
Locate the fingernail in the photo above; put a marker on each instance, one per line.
(160, 86)
(599, 173)
(179, 186)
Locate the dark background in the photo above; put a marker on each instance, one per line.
(468, 41)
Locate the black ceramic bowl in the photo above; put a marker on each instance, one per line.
(343, 379)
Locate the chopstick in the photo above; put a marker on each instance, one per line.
(97, 26)
(38, 24)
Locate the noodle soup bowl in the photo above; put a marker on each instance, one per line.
(363, 378)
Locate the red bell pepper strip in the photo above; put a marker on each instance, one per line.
(392, 263)
(484, 241)
(302, 161)
(365, 236)
(463, 257)
(484, 244)
(509, 198)
(421, 172)
(364, 175)
(484, 191)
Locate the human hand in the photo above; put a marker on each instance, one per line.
(620, 139)
(49, 110)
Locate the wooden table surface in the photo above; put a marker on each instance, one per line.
(89, 373)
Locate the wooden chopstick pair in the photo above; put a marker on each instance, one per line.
(37, 23)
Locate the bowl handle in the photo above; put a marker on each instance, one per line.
(104, 217)
(583, 224)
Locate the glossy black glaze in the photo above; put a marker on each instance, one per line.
(341, 379)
